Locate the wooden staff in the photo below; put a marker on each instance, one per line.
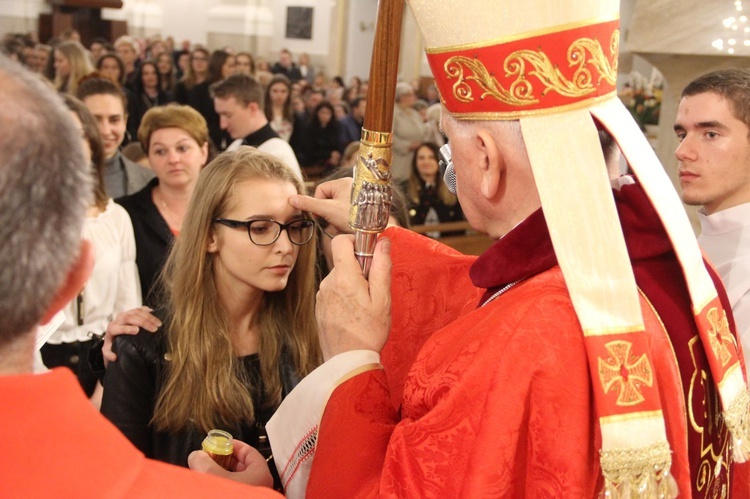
(371, 192)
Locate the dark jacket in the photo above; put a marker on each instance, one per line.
(292, 72)
(153, 239)
(429, 198)
(320, 142)
(135, 380)
(199, 98)
(138, 104)
(349, 131)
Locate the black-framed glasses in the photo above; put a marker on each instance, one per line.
(265, 232)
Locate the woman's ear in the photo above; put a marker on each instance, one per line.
(213, 242)
(204, 153)
(76, 279)
(492, 163)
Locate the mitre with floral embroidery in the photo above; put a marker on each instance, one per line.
(553, 65)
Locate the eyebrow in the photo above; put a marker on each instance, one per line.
(296, 216)
(184, 139)
(702, 125)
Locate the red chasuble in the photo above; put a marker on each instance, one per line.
(497, 401)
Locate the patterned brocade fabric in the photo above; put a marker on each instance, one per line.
(495, 401)
(497, 404)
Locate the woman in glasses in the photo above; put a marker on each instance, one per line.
(239, 327)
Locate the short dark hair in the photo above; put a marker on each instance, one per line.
(96, 84)
(244, 88)
(733, 84)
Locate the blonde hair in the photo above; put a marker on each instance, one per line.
(80, 66)
(206, 384)
(172, 116)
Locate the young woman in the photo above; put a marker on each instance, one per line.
(321, 138)
(112, 67)
(245, 63)
(221, 64)
(113, 286)
(147, 93)
(165, 65)
(71, 64)
(428, 196)
(278, 106)
(239, 293)
(196, 72)
(107, 103)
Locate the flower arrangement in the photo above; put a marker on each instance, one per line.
(643, 97)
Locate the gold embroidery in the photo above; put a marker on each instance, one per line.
(714, 469)
(582, 53)
(623, 374)
(643, 469)
(719, 335)
(519, 89)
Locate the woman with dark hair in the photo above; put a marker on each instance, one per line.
(220, 65)
(147, 93)
(167, 74)
(106, 101)
(321, 140)
(430, 201)
(112, 67)
(113, 286)
(278, 106)
(239, 324)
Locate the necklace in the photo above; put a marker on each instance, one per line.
(171, 216)
(502, 290)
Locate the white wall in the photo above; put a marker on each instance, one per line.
(360, 36)
(321, 28)
(184, 20)
(350, 23)
(21, 15)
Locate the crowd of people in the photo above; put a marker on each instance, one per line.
(317, 116)
(203, 287)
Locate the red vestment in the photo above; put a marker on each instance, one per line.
(498, 403)
(58, 445)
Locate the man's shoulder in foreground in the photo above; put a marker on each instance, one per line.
(83, 455)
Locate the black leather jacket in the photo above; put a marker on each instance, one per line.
(132, 385)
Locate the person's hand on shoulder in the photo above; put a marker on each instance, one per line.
(250, 467)
(352, 312)
(128, 322)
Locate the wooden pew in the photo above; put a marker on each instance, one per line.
(472, 243)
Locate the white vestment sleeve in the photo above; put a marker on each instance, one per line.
(293, 429)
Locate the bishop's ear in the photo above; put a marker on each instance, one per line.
(492, 163)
